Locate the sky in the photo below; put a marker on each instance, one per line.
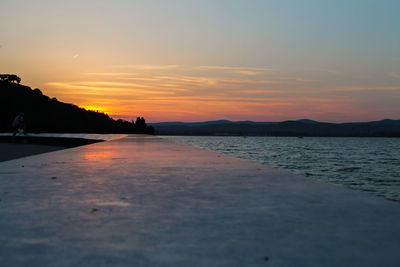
(186, 60)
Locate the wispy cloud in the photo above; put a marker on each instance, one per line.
(250, 71)
(304, 80)
(235, 68)
(111, 74)
(180, 82)
(205, 91)
(210, 81)
(145, 67)
(245, 71)
(108, 88)
(369, 88)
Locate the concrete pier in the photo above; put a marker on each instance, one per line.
(146, 201)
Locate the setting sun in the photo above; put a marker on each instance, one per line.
(95, 108)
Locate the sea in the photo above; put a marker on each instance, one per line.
(366, 164)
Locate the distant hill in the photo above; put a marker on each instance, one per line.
(303, 127)
(192, 123)
(45, 114)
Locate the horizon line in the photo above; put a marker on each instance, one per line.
(256, 121)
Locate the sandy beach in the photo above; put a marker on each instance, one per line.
(11, 151)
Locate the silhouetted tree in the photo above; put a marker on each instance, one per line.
(141, 126)
(12, 78)
(140, 123)
(37, 91)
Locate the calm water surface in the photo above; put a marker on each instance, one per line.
(367, 164)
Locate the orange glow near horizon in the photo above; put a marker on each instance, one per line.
(95, 108)
(182, 93)
(252, 60)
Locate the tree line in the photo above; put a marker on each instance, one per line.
(45, 114)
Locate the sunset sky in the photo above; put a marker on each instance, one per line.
(260, 60)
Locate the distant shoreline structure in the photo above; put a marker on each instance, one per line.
(262, 121)
(298, 128)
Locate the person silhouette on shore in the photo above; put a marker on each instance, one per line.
(19, 124)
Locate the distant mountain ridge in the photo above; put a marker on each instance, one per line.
(301, 127)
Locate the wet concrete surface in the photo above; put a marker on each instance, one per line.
(146, 201)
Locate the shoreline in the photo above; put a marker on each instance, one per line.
(10, 151)
(24, 146)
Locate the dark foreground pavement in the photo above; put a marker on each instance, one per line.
(146, 201)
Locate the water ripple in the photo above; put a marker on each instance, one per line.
(367, 164)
